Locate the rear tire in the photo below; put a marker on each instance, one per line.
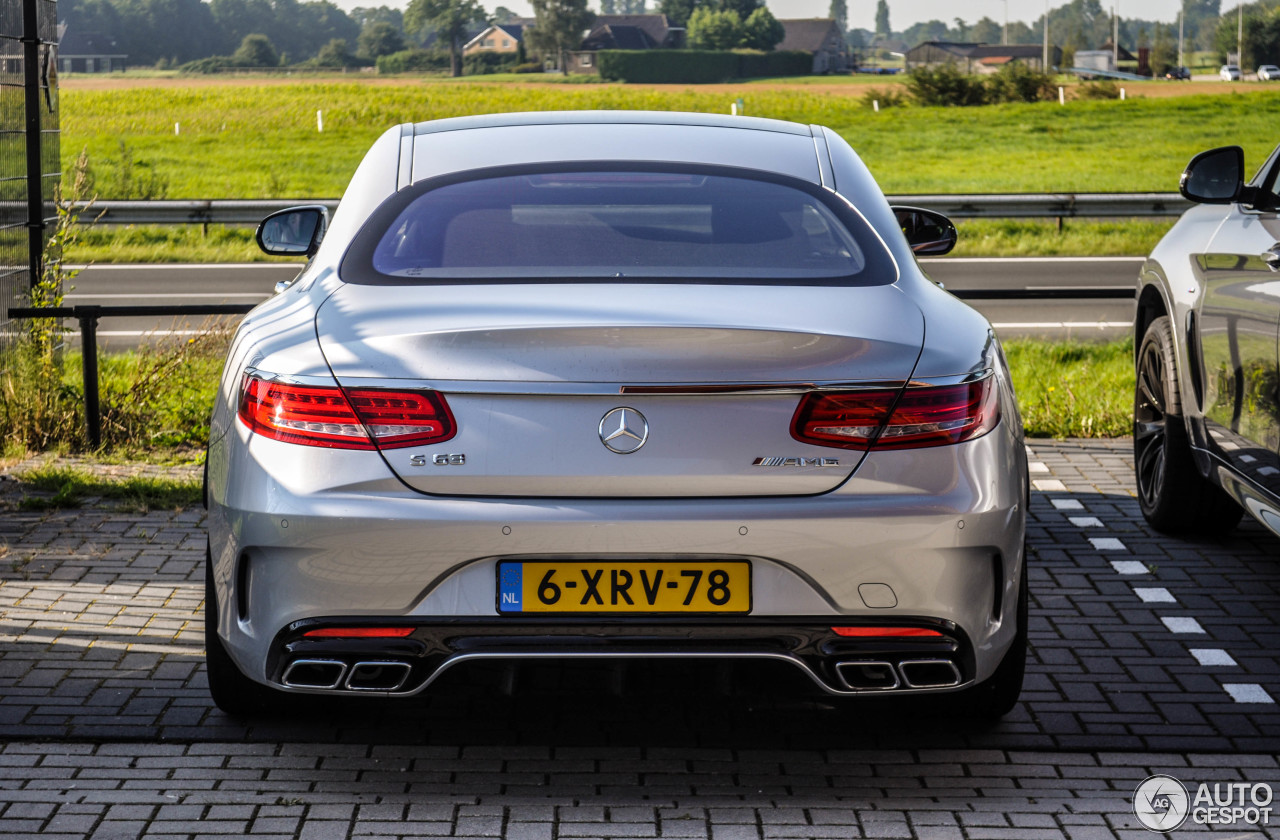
(1174, 497)
(231, 690)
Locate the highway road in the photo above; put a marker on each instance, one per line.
(109, 285)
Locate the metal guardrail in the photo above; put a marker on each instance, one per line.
(88, 316)
(977, 205)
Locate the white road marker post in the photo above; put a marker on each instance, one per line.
(1062, 96)
(319, 120)
(875, 104)
(176, 129)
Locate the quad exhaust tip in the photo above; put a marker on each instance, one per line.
(868, 676)
(873, 675)
(314, 673)
(331, 674)
(377, 676)
(929, 673)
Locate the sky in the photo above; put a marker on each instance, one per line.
(902, 13)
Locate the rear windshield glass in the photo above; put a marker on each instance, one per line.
(640, 225)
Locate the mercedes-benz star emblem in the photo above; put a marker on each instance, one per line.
(624, 430)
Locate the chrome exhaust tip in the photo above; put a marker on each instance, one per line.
(929, 673)
(867, 676)
(314, 673)
(377, 676)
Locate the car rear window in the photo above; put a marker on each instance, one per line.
(593, 224)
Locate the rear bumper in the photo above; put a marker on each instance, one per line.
(930, 535)
(406, 665)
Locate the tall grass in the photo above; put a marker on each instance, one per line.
(157, 399)
(238, 141)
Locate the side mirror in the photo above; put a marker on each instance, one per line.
(294, 232)
(928, 233)
(1214, 177)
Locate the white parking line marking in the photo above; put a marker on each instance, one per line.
(1212, 656)
(1067, 504)
(1037, 467)
(1154, 595)
(1107, 544)
(1049, 485)
(1182, 625)
(1085, 521)
(1248, 693)
(1130, 567)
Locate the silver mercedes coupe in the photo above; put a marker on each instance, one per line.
(614, 385)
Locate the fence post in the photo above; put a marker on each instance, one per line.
(35, 171)
(88, 316)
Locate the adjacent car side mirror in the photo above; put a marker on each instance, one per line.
(1214, 177)
(928, 233)
(294, 232)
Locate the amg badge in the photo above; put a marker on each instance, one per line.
(779, 461)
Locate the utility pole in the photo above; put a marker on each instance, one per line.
(1115, 38)
(1181, 20)
(1044, 66)
(1004, 37)
(1240, 37)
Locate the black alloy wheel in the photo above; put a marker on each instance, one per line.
(1174, 497)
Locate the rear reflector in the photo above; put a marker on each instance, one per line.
(323, 416)
(359, 633)
(927, 415)
(886, 632)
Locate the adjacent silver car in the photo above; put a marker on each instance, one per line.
(1206, 407)
(614, 384)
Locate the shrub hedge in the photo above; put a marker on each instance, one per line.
(699, 66)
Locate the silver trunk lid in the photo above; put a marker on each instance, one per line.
(530, 371)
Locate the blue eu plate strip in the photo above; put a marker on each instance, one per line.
(510, 587)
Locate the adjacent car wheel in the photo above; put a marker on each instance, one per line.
(232, 691)
(1172, 494)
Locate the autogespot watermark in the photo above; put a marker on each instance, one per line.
(1162, 803)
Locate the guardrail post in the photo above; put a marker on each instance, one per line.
(88, 316)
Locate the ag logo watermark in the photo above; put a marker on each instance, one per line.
(1162, 803)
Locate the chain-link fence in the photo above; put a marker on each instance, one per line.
(29, 164)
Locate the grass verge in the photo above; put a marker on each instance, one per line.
(64, 487)
(1073, 389)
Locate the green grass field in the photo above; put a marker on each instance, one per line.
(247, 141)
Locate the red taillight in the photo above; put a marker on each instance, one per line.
(927, 415)
(886, 632)
(323, 416)
(359, 633)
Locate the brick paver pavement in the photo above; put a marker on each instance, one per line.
(1150, 655)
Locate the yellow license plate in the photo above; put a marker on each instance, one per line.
(715, 586)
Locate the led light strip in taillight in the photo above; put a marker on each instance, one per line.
(890, 418)
(326, 416)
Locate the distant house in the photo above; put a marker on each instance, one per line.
(624, 32)
(979, 58)
(499, 38)
(88, 52)
(657, 26)
(821, 37)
